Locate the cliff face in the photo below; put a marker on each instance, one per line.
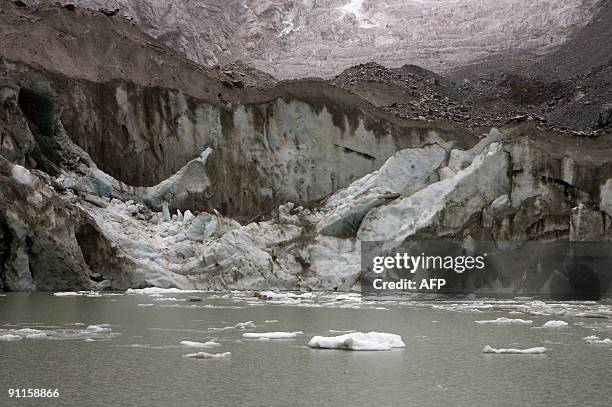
(110, 179)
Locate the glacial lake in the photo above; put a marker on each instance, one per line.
(137, 359)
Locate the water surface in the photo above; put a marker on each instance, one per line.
(139, 362)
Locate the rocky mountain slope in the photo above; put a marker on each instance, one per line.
(123, 164)
(293, 39)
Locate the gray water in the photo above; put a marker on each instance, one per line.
(140, 363)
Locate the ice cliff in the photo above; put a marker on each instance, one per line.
(112, 180)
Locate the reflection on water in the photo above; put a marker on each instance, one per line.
(111, 350)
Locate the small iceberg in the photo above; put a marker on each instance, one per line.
(245, 325)
(272, 335)
(90, 294)
(99, 328)
(209, 344)
(66, 294)
(102, 331)
(158, 290)
(239, 325)
(596, 340)
(36, 335)
(555, 324)
(531, 351)
(204, 355)
(9, 338)
(359, 341)
(504, 320)
(271, 295)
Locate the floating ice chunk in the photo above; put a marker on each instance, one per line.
(269, 321)
(27, 331)
(245, 325)
(535, 351)
(158, 290)
(169, 299)
(349, 297)
(9, 337)
(504, 320)
(271, 295)
(80, 294)
(204, 355)
(554, 324)
(287, 301)
(240, 325)
(36, 335)
(209, 344)
(596, 340)
(102, 331)
(145, 305)
(334, 331)
(66, 294)
(358, 341)
(99, 328)
(225, 328)
(272, 335)
(591, 338)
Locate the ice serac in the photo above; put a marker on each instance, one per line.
(444, 207)
(187, 185)
(404, 173)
